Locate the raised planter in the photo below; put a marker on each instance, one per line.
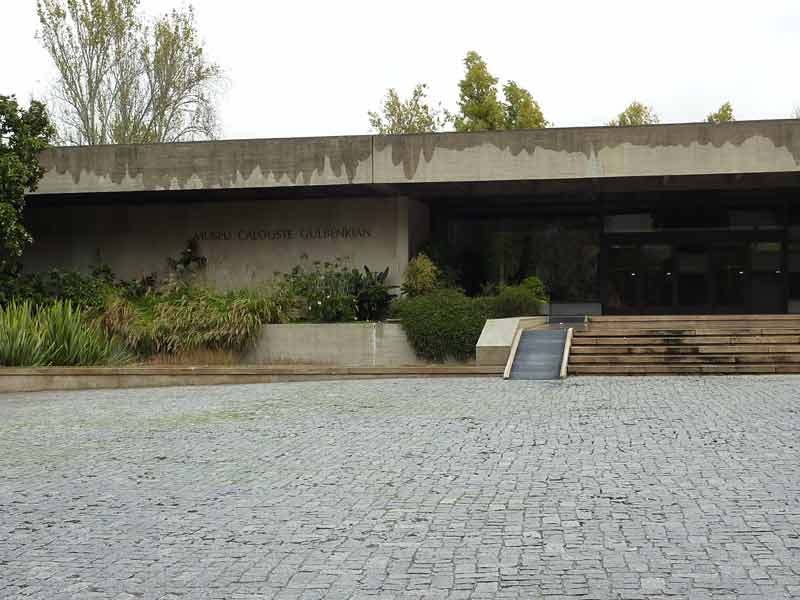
(338, 344)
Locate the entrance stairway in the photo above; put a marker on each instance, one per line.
(691, 345)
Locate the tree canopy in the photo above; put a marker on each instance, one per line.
(521, 110)
(413, 115)
(635, 114)
(479, 108)
(724, 114)
(126, 79)
(23, 135)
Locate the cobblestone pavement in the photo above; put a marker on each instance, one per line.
(468, 488)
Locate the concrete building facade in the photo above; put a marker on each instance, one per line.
(662, 219)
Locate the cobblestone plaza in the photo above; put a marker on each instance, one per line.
(467, 488)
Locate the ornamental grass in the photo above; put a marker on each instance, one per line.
(57, 334)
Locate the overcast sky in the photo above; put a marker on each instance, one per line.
(302, 68)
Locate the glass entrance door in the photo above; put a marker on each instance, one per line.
(767, 287)
(728, 277)
(729, 263)
(694, 289)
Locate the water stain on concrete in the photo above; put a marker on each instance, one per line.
(215, 164)
(410, 150)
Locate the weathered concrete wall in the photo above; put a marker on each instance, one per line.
(208, 165)
(244, 242)
(592, 152)
(339, 344)
(569, 153)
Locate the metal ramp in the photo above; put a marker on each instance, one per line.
(539, 354)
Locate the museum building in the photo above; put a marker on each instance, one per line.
(692, 218)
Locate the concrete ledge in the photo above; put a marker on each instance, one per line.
(497, 337)
(334, 344)
(81, 378)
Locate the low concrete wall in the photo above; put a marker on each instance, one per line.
(494, 345)
(14, 380)
(341, 344)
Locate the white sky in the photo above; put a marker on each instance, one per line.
(302, 68)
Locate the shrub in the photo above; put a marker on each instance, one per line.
(421, 276)
(536, 287)
(372, 295)
(514, 301)
(57, 334)
(443, 323)
(332, 292)
(57, 284)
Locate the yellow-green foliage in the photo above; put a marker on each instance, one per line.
(56, 334)
(186, 318)
(421, 276)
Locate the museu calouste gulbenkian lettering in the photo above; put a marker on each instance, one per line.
(681, 218)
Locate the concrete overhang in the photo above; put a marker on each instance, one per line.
(550, 157)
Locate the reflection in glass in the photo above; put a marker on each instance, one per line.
(692, 267)
(658, 276)
(623, 279)
(730, 269)
(766, 277)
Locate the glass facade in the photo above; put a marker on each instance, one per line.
(700, 259)
(563, 252)
(684, 253)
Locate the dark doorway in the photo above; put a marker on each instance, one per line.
(683, 277)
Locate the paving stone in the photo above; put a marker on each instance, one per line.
(463, 488)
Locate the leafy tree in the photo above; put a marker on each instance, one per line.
(23, 135)
(124, 80)
(480, 108)
(414, 115)
(635, 114)
(521, 110)
(723, 115)
(478, 104)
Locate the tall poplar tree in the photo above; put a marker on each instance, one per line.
(124, 79)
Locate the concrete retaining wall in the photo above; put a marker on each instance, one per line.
(341, 344)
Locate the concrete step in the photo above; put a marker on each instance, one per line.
(696, 340)
(588, 359)
(724, 369)
(599, 332)
(702, 344)
(687, 318)
(687, 349)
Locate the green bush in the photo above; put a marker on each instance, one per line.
(536, 287)
(421, 276)
(514, 301)
(57, 334)
(57, 284)
(372, 295)
(332, 292)
(443, 323)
